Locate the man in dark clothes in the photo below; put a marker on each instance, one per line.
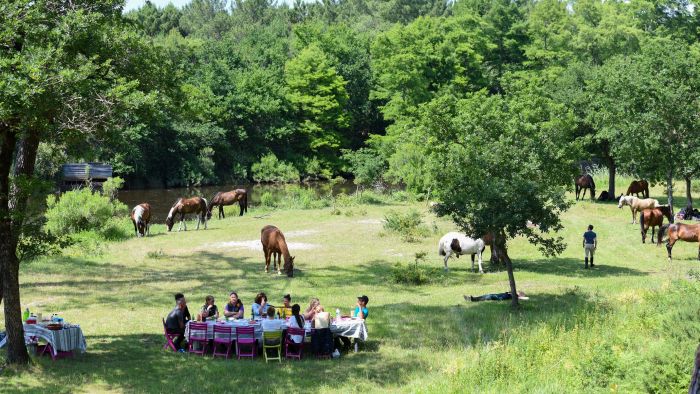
(590, 243)
(175, 323)
(188, 317)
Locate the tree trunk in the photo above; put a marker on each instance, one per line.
(688, 196)
(669, 192)
(502, 251)
(695, 378)
(611, 177)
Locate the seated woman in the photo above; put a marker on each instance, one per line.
(260, 306)
(234, 307)
(271, 324)
(361, 308)
(209, 309)
(314, 308)
(285, 310)
(296, 322)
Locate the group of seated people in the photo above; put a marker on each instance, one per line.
(272, 317)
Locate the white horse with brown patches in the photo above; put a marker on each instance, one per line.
(141, 217)
(184, 206)
(459, 244)
(638, 204)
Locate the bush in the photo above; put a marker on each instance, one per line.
(111, 187)
(415, 273)
(270, 169)
(82, 210)
(409, 226)
(266, 200)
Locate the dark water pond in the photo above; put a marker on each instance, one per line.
(162, 199)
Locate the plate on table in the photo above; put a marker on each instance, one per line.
(54, 326)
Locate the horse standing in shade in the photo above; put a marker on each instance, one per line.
(653, 218)
(584, 182)
(221, 199)
(184, 206)
(637, 204)
(141, 217)
(682, 231)
(458, 244)
(274, 245)
(636, 187)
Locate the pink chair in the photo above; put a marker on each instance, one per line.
(288, 342)
(198, 334)
(245, 336)
(169, 338)
(223, 335)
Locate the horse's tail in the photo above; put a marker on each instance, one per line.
(660, 235)
(441, 251)
(641, 222)
(244, 202)
(204, 206)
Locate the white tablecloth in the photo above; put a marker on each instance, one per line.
(64, 340)
(235, 324)
(351, 328)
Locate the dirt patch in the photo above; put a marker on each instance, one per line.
(369, 221)
(300, 233)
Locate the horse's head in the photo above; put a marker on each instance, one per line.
(141, 226)
(169, 221)
(209, 213)
(623, 202)
(289, 266)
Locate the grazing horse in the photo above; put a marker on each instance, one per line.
(584, 182)
(636, 187)
(228, 198)
(637, 204)
(183, 206)
(653, 218)
(141, 217)
(459, 244)
(275, 245)
(676, 231)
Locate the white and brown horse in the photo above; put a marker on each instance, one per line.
(222, 199)
(184, 206)
(458, 244)
(638, 204)
(274, 245)
(141, 217)
(682, 231)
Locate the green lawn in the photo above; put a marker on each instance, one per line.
(629, 325)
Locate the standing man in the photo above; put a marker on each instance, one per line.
(175, 323)
(590, 243)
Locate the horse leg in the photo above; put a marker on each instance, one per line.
(240, 206)
(136, 229)
(204, 217)
(653, 228)
(481, 268)
(222, 214)
(669, 245)
(448, 253)
(577, 192)
(472, 262)
(267, 259)
(279, 263)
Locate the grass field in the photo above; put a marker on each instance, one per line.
(629, 325)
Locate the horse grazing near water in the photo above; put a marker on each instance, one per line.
(637, 204)
(457, 243)
(653, 218)
(141, 217)
(682, 231)
(275, 245)
(584, 182)
(636, 187)
(184, 206)
(221, 199)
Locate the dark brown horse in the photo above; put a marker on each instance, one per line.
(640, 186)
(275, 245)
(584, 182)
(184, 206)
(653, 218)
(141, 217)
(221, 199)
(676, 231)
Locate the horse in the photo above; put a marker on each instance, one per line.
(454, 242)
(228, 198)
(636, 187)
(682, 231)
(584, 182)
(141, 217)
(653, 218)
(637, 204)
(275, 245)
(183, 206)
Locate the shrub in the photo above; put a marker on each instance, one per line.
(416, 273)
(266, 200)
(111, 187)
(270, 169)
(81, 210)
(409, 225)
(117, 229)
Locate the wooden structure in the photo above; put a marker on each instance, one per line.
(77, 175)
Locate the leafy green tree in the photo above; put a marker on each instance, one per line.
(550, 29)
(366, 165)
(205, 18)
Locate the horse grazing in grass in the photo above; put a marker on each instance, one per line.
(637, 204)
(676, 231)
(636, 187)
(275, 245)
(458, 244)
(141, 217)
(221, 199)
(584, 182)
(184, 206)
(653, 218)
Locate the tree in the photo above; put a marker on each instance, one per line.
(498, 162)
(366, 165)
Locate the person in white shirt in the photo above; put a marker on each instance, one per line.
(272, 324)
(296, 321)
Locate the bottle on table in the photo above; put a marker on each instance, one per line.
(26, 314)
(337, 313)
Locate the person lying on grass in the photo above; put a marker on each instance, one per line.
(314, 308)
(234, 307)
(496, 297)
(209, 309)
(260, 306)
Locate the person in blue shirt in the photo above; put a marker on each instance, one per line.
(361, 308)
(260, 306)
(590, 243)
(234, 307)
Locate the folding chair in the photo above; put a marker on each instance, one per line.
(245, 337)
(169, 337)
(198, 334)
(223, 335)
(272, 340)
(289, 343)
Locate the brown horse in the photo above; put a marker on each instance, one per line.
(183, 206)
(636, 187)
(274, 245)
(676, 231)
(141, 217)
(653, 218)
(221, 199)
(584, 182)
